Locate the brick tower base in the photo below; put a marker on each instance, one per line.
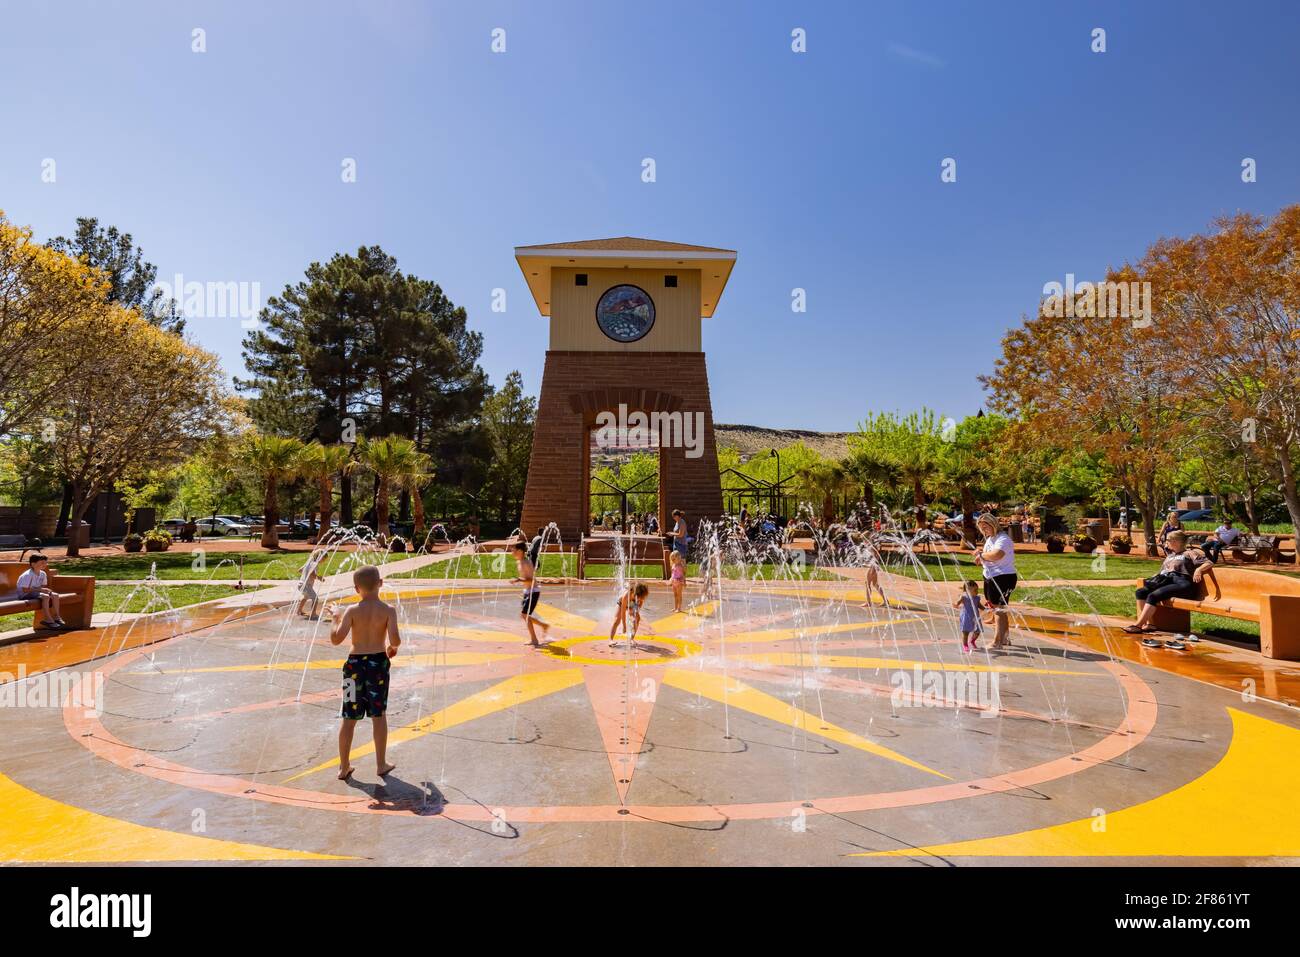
(576, 386)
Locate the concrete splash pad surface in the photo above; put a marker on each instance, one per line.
(776, 725)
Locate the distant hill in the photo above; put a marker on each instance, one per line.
(752, 439)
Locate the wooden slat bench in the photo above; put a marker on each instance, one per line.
(1271, 599)
(637, 550)
(1253, 549)
(76, 595)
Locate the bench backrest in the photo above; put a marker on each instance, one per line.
(9, 572)
(1242, 583)
(603, 549)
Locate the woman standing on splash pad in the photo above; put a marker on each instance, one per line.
(997, 558)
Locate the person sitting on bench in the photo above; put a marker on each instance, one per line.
(1179, 575)
(34, 585)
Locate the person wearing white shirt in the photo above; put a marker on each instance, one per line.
(997, 557)
(34, 585)
(1226, 533)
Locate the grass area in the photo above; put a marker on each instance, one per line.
(113, 598)
(1266, 528)
(179, 563)
(1067, 566)
(502, 565)
(1118, 600)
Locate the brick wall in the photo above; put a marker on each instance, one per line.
(578, 385)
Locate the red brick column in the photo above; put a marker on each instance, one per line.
(578, 385)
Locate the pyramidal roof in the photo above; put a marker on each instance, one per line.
(626, 252)
(631, 244)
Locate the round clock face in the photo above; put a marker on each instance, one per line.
(625, 313)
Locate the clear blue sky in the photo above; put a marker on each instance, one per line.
(821, 169)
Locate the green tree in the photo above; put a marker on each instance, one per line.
(131, 279)
(822, 484)
(968, 461)
(273, 459)
(911, 445)
(369, 350)
(508, 419)
(391, 459)
(323, 464)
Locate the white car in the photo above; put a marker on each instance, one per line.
(222, 526)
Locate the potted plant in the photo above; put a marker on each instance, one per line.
(132, 543)
(157, 540)
(1121, 544)
(1083, 544)
(1055, 544)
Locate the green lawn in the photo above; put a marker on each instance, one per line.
(179, 563)
(1267, 528)
(502, 565)
(1118, 600)
(1067, 566)
(112, 598)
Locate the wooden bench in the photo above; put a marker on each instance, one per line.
(615, 549)
(1254, 549)
(1243, 594)
(76, 594)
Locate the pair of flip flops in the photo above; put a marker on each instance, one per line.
(55, 625)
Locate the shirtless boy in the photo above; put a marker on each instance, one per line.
(532, 594)
(371, 623)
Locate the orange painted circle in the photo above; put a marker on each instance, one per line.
(87, 729)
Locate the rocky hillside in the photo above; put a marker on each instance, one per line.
(752, 439)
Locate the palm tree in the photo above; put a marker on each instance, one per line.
(874, 471)
(420, 474)
(273, 459)
(391, 459)
(821, 483)
(321, 463)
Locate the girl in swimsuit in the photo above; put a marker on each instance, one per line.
(678, 578)
(630, 602)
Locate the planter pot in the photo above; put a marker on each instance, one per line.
(132, 545)
(153, 545)
(1056, 548)
(1121, 549)
(1085, 549)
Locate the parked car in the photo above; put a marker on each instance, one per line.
(172, 526)
(222, 525)
(1195, 514)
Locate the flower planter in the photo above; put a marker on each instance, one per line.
(156, 545)
(130, 544)
(1055, 547)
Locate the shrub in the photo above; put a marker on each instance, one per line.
(157, 540)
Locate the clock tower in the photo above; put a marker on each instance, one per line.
(625, 338)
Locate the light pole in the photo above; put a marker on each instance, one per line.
(777, 488)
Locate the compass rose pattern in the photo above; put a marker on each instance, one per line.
(804, 670)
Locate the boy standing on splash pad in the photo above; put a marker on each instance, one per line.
(370, 622)
(532, 593)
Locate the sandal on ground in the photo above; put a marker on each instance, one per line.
(1137, 630)
(1152, 643)
(1175, 644)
